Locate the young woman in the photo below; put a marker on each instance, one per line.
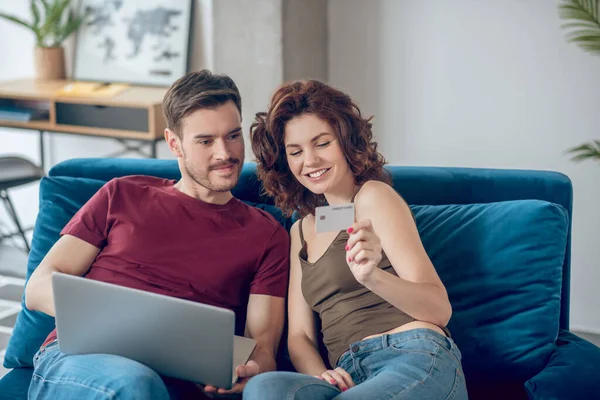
(383, 309)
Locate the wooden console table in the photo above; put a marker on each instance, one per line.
(134, 114)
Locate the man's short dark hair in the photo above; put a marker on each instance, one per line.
(197, 90)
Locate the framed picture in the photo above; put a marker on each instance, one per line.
(143, 42)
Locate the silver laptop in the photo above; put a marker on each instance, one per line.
(176, 338)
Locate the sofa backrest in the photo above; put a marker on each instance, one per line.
(104, 169)
(418, 185)
(449, 185)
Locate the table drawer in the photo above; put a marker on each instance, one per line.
(109, 117)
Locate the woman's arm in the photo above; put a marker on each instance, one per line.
(302, 335)
(385, 223)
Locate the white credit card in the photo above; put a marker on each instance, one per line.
(334, 218)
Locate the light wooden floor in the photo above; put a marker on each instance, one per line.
(590, 337)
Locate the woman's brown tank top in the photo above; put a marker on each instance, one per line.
(349, 311)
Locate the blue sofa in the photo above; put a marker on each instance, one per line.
(499, 239)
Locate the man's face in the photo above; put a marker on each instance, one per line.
(211, 147)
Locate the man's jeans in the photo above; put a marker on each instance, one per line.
(417, 364)
(101, 376)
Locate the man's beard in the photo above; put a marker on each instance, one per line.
(202, 177)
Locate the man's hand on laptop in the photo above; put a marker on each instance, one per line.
(244, 373)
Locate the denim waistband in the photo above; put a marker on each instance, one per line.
(43, 349)
(386, 340)
(50, 343)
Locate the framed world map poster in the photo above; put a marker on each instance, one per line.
(143, 42)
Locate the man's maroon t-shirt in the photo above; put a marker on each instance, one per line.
(155, 238)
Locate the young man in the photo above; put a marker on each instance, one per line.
(189, 239)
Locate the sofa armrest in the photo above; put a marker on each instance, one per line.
(15, 384)
(571, 373)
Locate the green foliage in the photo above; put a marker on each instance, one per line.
(586, 151)
(583, 26)
(583, 23)
(53, 21)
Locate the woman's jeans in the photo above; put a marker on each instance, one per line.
(57, 375)
(416, 364)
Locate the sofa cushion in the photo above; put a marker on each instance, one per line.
(502, 265)
(15, 384)
(60, 198)
(571, 372)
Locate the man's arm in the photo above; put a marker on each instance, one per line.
(264, 323)
(80, 242)
(265, 314)
(69, 255)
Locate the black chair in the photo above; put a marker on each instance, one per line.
(16, 171)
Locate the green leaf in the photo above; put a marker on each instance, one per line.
(52, 26)
(584, 36)
(53, 21)
(571, 25)
(583, 24)
(61, 7)
(590, 48)
(586, 151)
(580, 15)
(35, 12)
(36, 21)
(46, 6)
(16, 20)
(25, 24)
(71, 26)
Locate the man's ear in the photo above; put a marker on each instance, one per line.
(174, 142)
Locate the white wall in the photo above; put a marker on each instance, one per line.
(305, 51)
(248, 44)
(479, 84)
(461, 83)
(253, 41)
(16, 49)
(258, 45)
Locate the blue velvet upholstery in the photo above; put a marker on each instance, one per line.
(557, 380)
(439, 185)
(58, 203)
(501, 264)
(14, 385)
(505, 262)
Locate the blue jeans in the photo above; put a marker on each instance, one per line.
(416, 364)
(57, 375)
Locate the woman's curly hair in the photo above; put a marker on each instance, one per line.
(343, 115)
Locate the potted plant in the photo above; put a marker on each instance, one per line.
(53, 21)
(583, 27)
